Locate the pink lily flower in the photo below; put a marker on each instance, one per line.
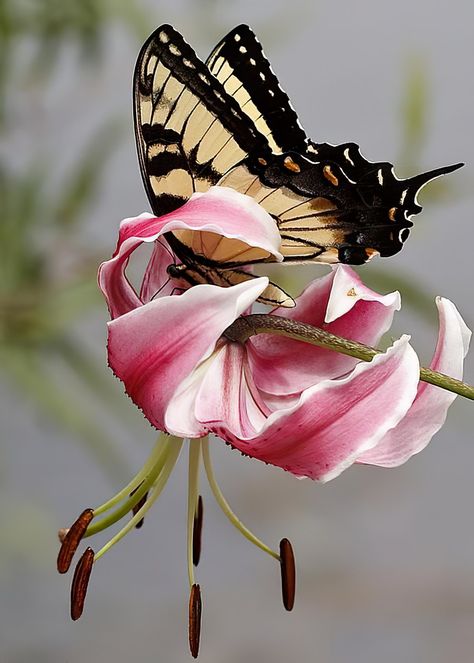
(309, 410)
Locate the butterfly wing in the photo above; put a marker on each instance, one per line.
(239, 63)
(189, 131)
(334, 207)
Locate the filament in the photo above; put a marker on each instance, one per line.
(193, 488)
(172, 453)
(224, 505)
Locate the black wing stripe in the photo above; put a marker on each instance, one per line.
(178, 102)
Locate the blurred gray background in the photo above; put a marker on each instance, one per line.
(385, 557)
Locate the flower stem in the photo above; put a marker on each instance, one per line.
(224, 505)
(260, 323)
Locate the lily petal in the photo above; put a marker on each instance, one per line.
(328, 427)
(338, 303)
(154, 347)
(429, 410)
(220, 211)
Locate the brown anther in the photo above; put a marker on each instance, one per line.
(72, 539)
(351, 293)
(80, 583)
(197, 531)
(138, 506)
(62, 533)
(261, 161)
(195, 608)
(391, 213)
(291, 165)
(329, 175)
(288, 574)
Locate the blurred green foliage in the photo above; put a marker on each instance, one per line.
(42, 297)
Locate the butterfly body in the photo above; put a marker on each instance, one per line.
(229, 123)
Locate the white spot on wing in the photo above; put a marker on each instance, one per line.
(237, 37)
(346, 154)
(380, 177)
(403, 196)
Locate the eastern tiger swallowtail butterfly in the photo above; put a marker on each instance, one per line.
(228, 122)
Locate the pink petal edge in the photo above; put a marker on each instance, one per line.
(284, 366)
(429, 410)
(153, 348)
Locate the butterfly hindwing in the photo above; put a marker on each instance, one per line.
(239, 63)
(189, 131)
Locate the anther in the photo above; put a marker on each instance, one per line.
(80, 583)
(195, 608)
(262, 161)
(72, 539)
(288, 574)
(138, 506)
(197, 531)
(291, 165)
(329, 175)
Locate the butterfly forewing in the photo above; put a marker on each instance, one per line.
(239, 63)
(189, 131)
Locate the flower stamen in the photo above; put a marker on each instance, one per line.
(195, 609)
(193, 478)
(138, 506)
(171, 454)
(197, 531)
(146, 478)
(288, 574)
(137, 480)
(80, 583)
(224, 505)
(72, 539)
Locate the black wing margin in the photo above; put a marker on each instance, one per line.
(239, 63)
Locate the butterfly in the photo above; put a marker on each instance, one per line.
(228, 122)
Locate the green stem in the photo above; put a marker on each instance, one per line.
(259, 323)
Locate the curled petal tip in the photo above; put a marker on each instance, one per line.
(288, 574)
